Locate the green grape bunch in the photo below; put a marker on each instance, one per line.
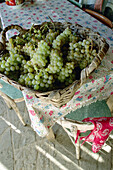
(46, 58)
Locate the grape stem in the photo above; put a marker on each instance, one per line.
(52, 22)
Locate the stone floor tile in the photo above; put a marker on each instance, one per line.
(6, 150)
(12, 117)
(105, 158)
(24, 112)
(22, 149)
(21, 106)
(50, 156)
(25, 157)
(90, 160)
(3, 106)
(3, 125)
(25, 137)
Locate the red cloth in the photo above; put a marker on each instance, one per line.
(102, 128)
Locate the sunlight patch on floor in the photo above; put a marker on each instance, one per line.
(92, 154)
(52, 159)
(2, 167)
(10, 124)
(47, 155)
(66, 158)
(106, 148)
(111, 136)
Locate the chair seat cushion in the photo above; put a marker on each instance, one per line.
(96, 109)
(10, 90)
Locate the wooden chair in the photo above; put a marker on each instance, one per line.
(71, 127)
(11, 96)
(70, 123)
(100, 17)
(73, 121)
(95, 14)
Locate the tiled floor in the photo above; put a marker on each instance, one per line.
(22, 149)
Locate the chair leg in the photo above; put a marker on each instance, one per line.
(110, 103)
(77, 145)
(73, 138)
(10, 102)
(50, 136)
(14, 106)
(77, 149)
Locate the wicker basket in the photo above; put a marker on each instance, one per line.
(61, 96)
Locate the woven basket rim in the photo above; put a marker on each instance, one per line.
(77, 83)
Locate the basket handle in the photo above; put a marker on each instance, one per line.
(17, 27)
(1, 44)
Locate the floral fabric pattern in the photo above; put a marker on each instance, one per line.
(98, 86)
(100, 133)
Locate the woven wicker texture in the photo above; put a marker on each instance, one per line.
(61, 96)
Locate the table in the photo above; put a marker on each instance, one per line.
(98, 86)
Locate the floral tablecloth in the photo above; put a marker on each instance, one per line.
(98, 86)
